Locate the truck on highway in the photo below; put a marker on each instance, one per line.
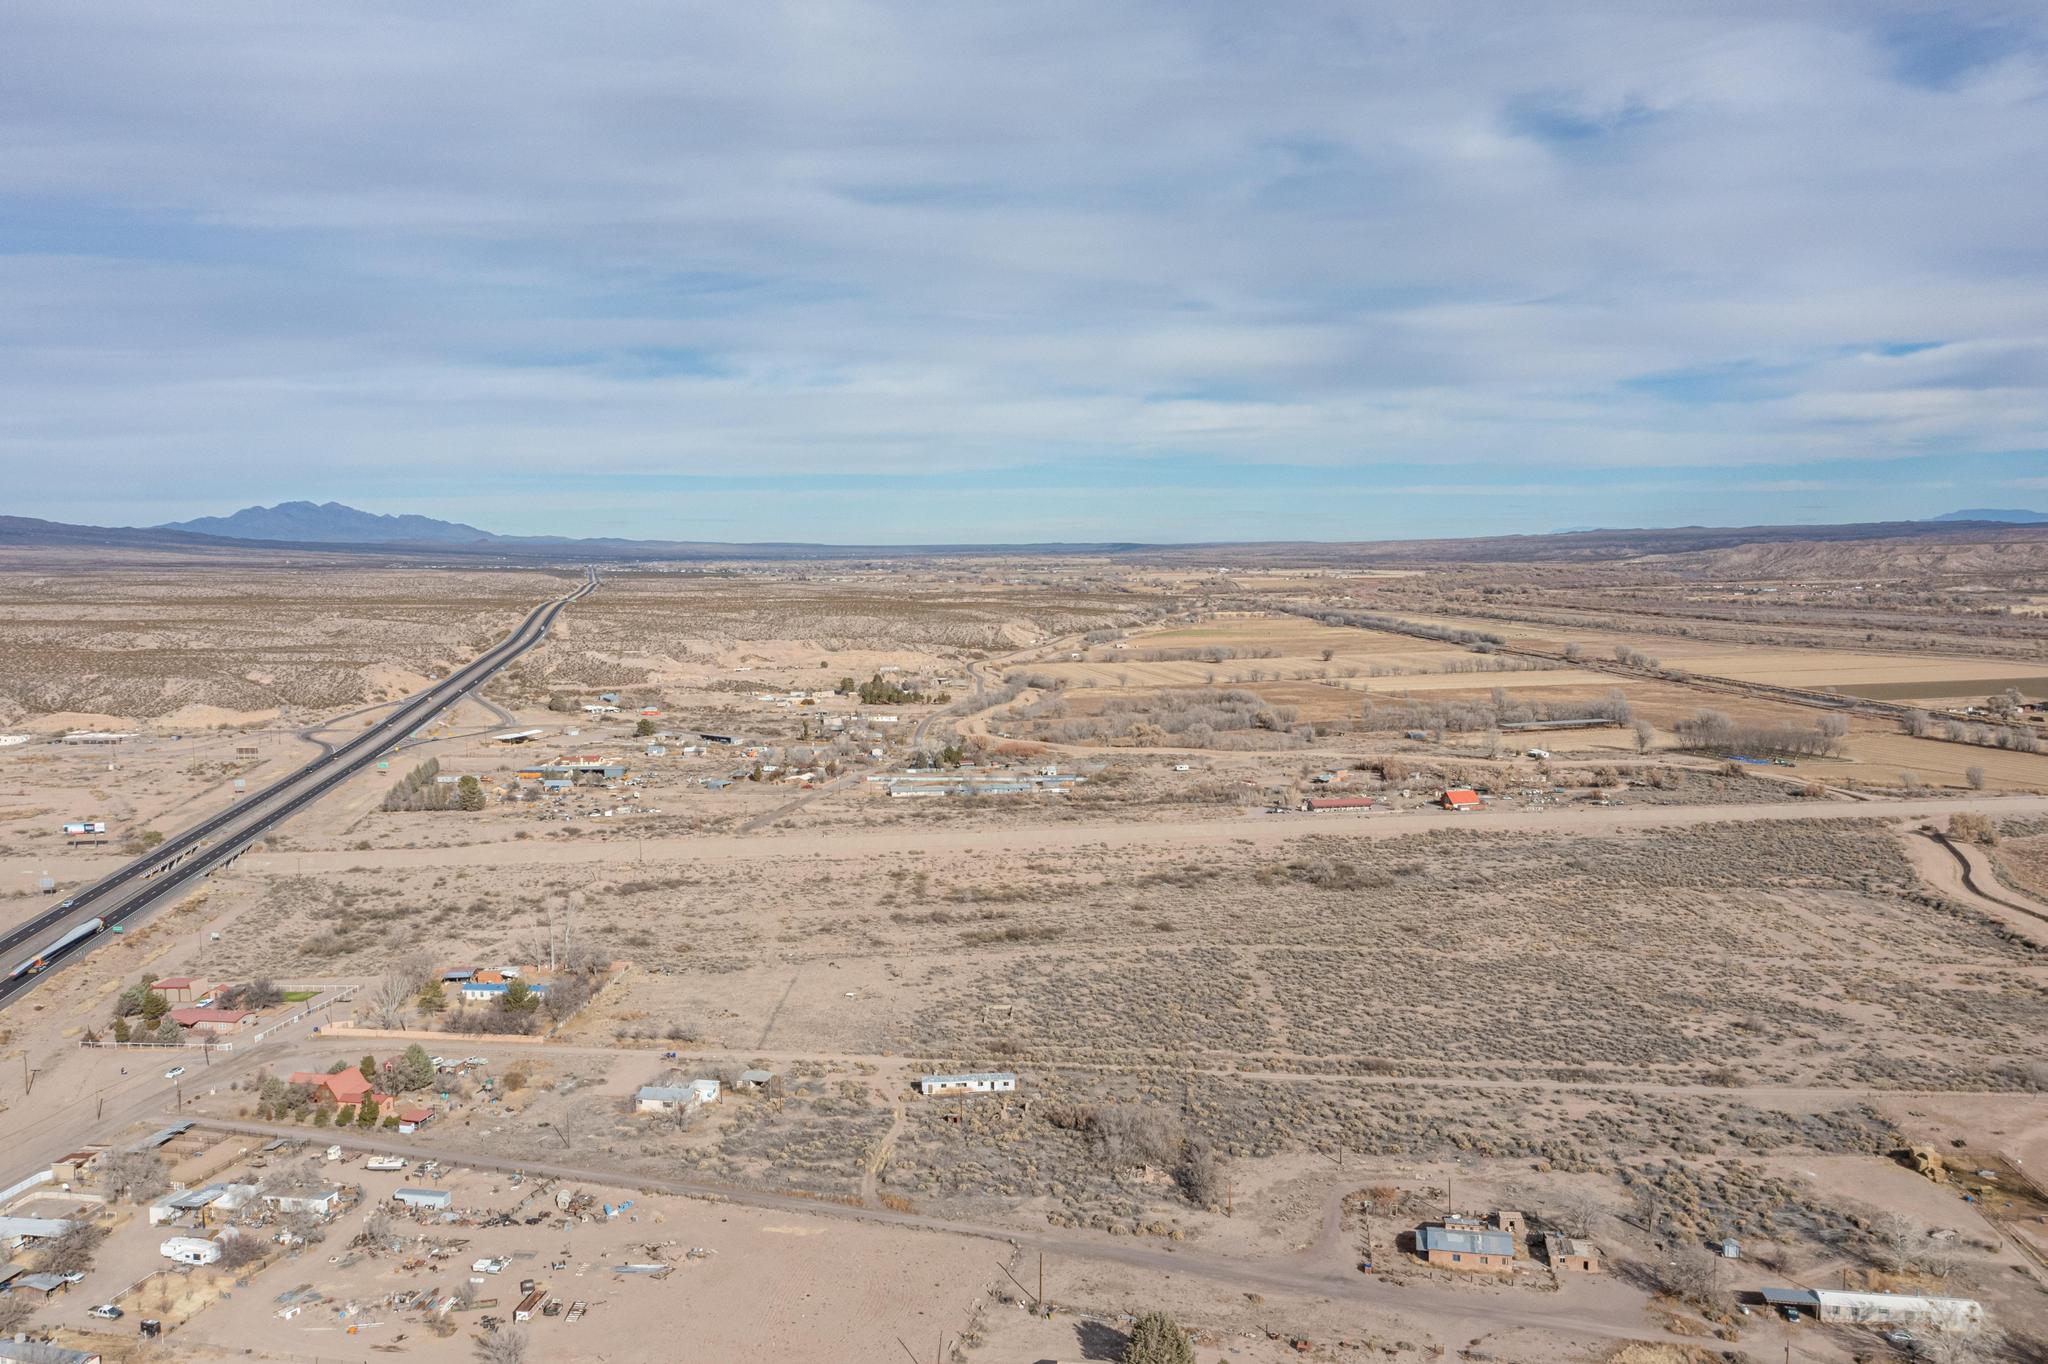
(56, 947)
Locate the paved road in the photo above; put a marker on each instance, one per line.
(27, 952)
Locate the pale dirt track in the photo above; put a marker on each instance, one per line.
(1936, 865)
(1233, 830)
(1239, 1274)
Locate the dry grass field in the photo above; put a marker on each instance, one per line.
(202, 648)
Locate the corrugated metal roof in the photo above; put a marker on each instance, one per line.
(155, 1139)
(1791, 1297)
(43, 1352)
(1465, 1242)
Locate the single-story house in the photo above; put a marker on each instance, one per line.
(74, 1167)
(321, 1203)
(183, 989)
(191, 1250)
(43, 1352)
(668, 1098)
(1460, 798)
(1315, 803)
(1569, 1255)
(457, 976)
(490, 992)
(1466, 1250)
(343, 1087)
(171, 1207)
(971, 1082)
(9, 1273)
(422, 1198)
(206, 1018)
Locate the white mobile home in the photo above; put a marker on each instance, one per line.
(971, 1082)
(191, 1250)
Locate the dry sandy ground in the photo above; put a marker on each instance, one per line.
(1256, 830)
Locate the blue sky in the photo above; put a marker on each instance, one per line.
(895, 272)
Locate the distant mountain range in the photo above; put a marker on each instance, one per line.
(302, 529)
(2010, 515)
(332, 523)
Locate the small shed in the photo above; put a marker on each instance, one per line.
(1729, 1249)
(41, 1285)
(1460, 798)
(756, 1079)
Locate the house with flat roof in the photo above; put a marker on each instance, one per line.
(1466, 1250)
(669, 1098)
(1570, 1255)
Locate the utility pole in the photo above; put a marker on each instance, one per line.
(1041, 1282)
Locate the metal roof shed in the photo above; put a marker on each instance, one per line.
(43, 1352)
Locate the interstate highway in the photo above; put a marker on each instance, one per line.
(191, 853)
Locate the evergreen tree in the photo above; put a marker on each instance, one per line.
(1156, 1339)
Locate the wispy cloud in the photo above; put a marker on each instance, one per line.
(245, 251)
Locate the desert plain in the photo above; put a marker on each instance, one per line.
(1686, 907)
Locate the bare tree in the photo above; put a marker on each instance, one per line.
(135, 1175)
(1646, 735)
(1897, 1238)
(71, 1250)
(1975, 776)
(15, 1312)
(1692, 1276)
(1576, 1211)
(503, 1346)
(386, 1005)
(238, 1252)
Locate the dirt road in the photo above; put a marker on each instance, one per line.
(1964, 874)
(1625, 1321)
(1257, 830)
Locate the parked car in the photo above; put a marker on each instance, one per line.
(106, 1311)
(174, 1072)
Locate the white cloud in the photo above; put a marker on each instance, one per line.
(666, 238)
